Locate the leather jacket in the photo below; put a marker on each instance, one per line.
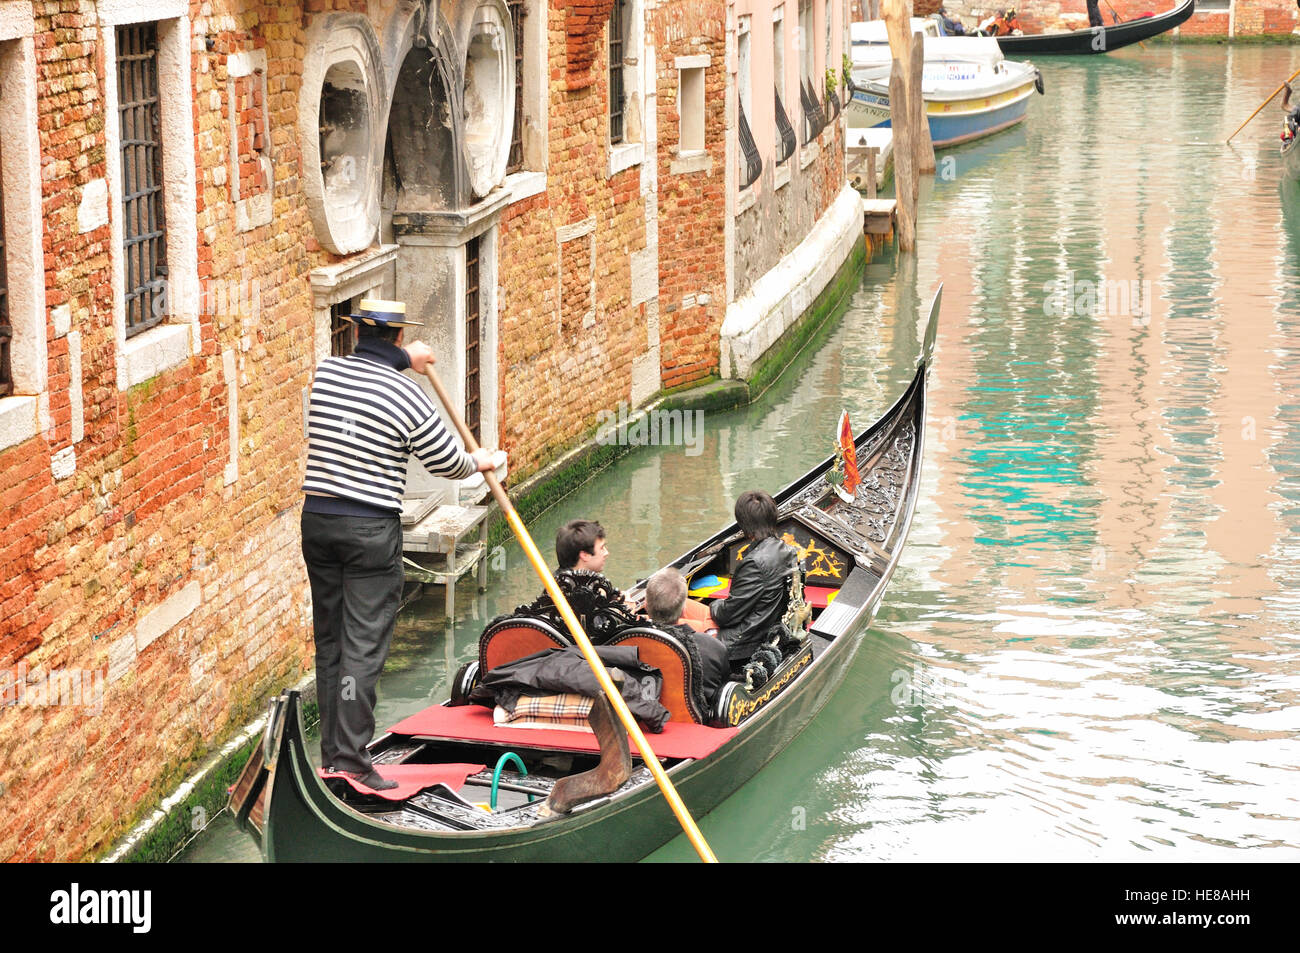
(760, 593)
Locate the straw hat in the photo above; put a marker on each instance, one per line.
(384, 314)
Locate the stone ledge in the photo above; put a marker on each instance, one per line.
(17, 420)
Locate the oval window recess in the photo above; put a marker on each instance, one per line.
(338, 128)
(489, 98)
(345, 138)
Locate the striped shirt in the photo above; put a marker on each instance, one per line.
(366, 419)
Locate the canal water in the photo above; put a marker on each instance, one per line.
(1089, 650)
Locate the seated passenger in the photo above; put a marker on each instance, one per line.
(581, 551)
(580, 544)
(951, 26)
(760, 586)
(665, 596)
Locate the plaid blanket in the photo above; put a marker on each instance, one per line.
(565, 710)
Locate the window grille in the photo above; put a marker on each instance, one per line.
(144, 241)
(515, 162)
(342, 337)
(785, 132)
(832, 105)
(814, 118)
(472, 401)
(616, 73)
(751, 163)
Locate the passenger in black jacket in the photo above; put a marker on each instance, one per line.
(760, 586)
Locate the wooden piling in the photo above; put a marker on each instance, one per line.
(905, 182)
(924, 145)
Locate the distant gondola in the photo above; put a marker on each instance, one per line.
(852, 549)
(1098, 39)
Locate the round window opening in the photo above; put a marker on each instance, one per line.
(489, 99)
(345, 139)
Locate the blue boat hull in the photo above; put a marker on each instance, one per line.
(951, 128)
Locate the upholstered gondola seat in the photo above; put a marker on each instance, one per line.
(515, 637)
(679, 663)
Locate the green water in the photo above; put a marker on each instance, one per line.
(1089, 650)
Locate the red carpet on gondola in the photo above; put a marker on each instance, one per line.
(474, 723)
(413, 778)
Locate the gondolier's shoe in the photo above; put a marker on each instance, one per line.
(374, 780)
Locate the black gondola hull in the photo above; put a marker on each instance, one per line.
(1098, 39)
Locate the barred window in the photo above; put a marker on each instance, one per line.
(751, 163)
(814, 117)
(616, 93)
(515, 162)
(785, 132)
(472, 401)
(143, 230)
(342, 337)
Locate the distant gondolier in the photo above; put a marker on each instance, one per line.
(1094, 13)
(1292, 113)
(366, 419)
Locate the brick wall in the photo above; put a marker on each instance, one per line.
(101, 557)
(567, 252)
(692, 196)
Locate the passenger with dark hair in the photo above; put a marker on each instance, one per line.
(580, 544)
(600, 606)
(665, 597)
(760, 586)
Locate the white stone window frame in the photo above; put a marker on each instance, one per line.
(26, 411)
(692, 160)
(170, 344)
(255, 210)
(369, 276)
(531, 179)
(631, 151)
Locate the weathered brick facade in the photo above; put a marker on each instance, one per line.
(151, 482)
(133, 516)
(692, 195)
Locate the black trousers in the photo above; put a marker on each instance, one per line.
(1094, 13)
(354, 564)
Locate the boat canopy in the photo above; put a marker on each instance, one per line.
(967, 49)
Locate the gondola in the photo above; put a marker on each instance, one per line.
(850, 548)
(1098, 39)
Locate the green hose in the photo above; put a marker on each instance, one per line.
(496, 775)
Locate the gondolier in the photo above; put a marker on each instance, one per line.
(366, 419)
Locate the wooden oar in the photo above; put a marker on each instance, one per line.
(580, 637)
(1264, 103)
